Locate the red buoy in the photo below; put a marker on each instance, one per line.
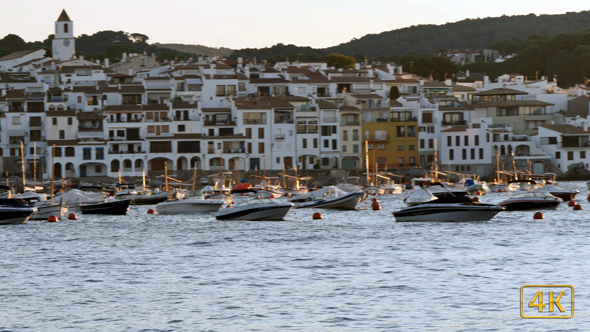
(376, 206)
(539, 215)
(391, 191)
(572, 203)
(475, 199)
(500, 190)
(317, 215)
(52, 218)
(589, 197)
(151, 211)
(272, 196)
(578, 207)
(72, 216)
(375, 200)
(477, 193)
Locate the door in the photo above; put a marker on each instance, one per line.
(83, 170)
(288, 161)
(254, 163)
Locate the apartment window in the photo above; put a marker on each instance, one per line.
(431, 143)
(241, 86)
(431, 129)
(54, 121)
(480, 153)
(248, 132)
(400, 147)
(70, 121)
(355, 148)
(260, 133)
(325, 161)
(79, 99)
(472, 154)
(16, 120)
(355, 135)
(87, 153)
(345, 135)
(326, 143)
(476, 140)
(400, 161)
(304, 143)
(449, 141)
(464, 154)
(426, 117)
(570, 155)
(582, 154)
(381, 146)
(466, 140)
(249, 147)
(457, 140)
(220, 91)
(370, 147)
(315, 143)
(421, 143)
(412, 147)
(400, 131)
(98, 169)
(181, 128)
(451, 154)
(344, 148)
(411, 131)
(412, 161)
(557, 155)
(99, 153)
(488, 137)
(231, 90)
(334, 144)
(62, 134)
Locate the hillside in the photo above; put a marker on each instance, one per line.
(197, 49)
(466, 34)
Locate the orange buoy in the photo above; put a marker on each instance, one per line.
(72, 216)
(391, 191)
(572, 203)
(375, 200)
(272, 196)
(475, 199)
(578, 207)
(477, 193)
(500, 190)
(374, 194)
(233, 202)
(52, 218)
(539, 215)
(589, 197)
(376, 206)
(151, 211)
(317, 215)
(242, 194)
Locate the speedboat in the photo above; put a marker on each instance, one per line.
(93, 203)
(448, 212)
(531, 201)
(436, 193)
(14, 211)
(474, 186)
(44, 207)
(564, 194)
(374, 190)
(256, 209)
(328, 198)
(189, 205)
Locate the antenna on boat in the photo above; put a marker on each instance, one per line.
(52, 174)
(22, 154)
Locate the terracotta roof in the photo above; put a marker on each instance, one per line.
(148, 107)
(510, 103)
(12, 78)
(269, 81)
(326, 105)
(366, 96)
(395, 103)
(63, 17)
(62, 142)
(89, 90)
(16, 55)
(72, 69)
(262, 103)
(455, 129)
(61, 113)
(314, 78)
(566, 129)
(458, 87)
(349, 108)
(16, 94)
(297, 70)
(501, 91)
(350, 79)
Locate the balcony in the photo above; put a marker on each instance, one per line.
(284, 121)
(377, 138)
(92, 102)
(89, 128)
(35, 124)
(16, 139)
(219, 123)
(279, 136)
(56, 100)
(233, 151)
(350, 123)
(454, 123)
(329, 119)
(125, 152)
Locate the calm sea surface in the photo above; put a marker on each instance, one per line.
(351, 271)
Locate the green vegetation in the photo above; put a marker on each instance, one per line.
(340, 61)
(197, 49)
(13, 43)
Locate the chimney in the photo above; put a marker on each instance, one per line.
(247, 71)
(486, 80)
(80, 60)
(585, 126)
(400, 70)
(131, 71)
(97, 62)
(391, 69)
(200, 59)
(467, 73)
(171, 63)
(106, 62)
(448, 82)
(357, 66)
(124, 56)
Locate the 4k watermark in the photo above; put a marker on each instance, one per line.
(547, 301)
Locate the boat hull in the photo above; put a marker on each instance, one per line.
(257, 213)
(188, 206)
(523, 205)
(113, 207)
(44, 212)
(348, 202)
(148, 199)
(447, 213)
(15, 216)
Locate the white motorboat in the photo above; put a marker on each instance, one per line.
(189, 205)
(531, 200)
(435, 192)
(44, 208)
(374, 190)
(14, 211)
(256, 209)
(448, 212)
(329, 198)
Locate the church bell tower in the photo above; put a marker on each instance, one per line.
(64, 43)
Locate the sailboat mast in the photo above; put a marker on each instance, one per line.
(514, 166)
(195, 176)
(35, 162)
(367, 159)
(166, 174)
(52, 174)
(22, 154)
(497, 167)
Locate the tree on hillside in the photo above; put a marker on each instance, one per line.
(115, 52)
(340, 61)
(14, 43)
(139, 38)
(394, 93)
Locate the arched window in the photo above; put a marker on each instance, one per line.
(127, 163)
(138, 163)
(115, 166)
(66, 28)
(57, 151)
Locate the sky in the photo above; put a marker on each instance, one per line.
(256, 23)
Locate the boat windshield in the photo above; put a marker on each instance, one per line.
(535, 195)
(256, 201)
